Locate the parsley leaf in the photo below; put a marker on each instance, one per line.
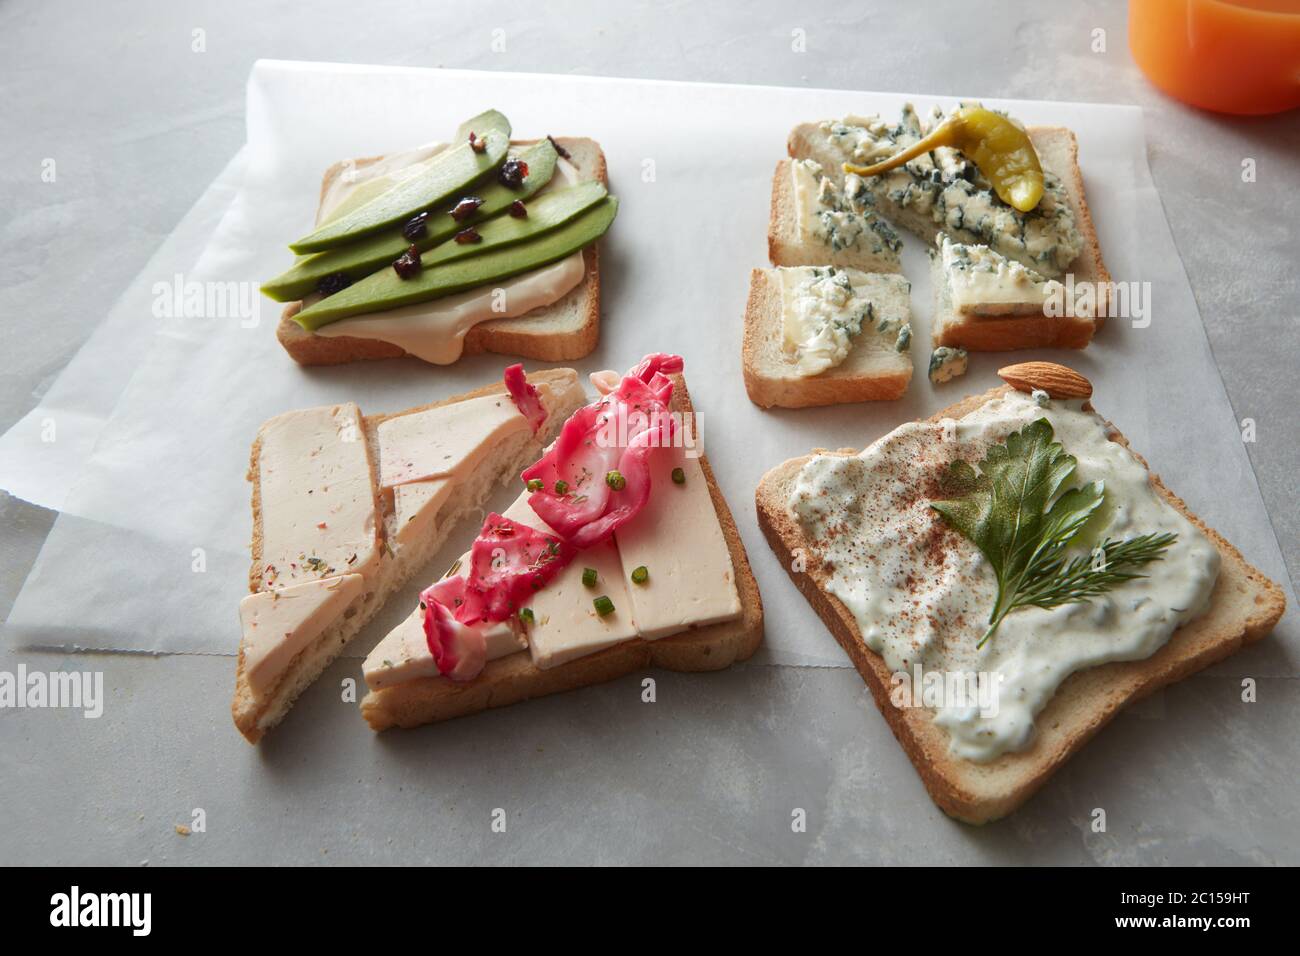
(1010, 509)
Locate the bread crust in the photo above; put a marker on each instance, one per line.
(254, 717)
(768, 386)
(517, 336)
(515, 678)
(1244, 607)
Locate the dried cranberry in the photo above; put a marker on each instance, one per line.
(512, 173)
(334, 282)
(518, 209)
(465, 208)
(476, 144)
(466, 236)
(417, 227)
(408, 263)
(564, 153)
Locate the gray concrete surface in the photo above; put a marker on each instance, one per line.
(139, 124)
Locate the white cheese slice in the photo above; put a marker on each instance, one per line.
(677, 538)
(317, 496)
(415, 506)
(446, 440)
(806, 206)
(278, 624)
(403, 655)
(565, 624)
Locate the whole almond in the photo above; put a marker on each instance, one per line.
(1056, 380)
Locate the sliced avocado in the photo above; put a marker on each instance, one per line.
(544, 214)
(385, 290)
(447, 173)
(369, 189)
(369, 253)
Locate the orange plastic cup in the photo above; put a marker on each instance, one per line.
(1231, 56)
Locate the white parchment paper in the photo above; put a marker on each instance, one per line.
(150, 553)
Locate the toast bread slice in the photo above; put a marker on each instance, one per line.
(1244, 607)
(560, 332)
(398, 565)
(514, 678)
(866, 374)
(785, 247)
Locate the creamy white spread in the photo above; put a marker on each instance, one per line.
(435, 331)
(824, 309)
(922, 593)
(355, 185)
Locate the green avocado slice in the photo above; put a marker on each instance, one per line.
(386, 290)
(370, 253)
(544, 214)
(446, 174)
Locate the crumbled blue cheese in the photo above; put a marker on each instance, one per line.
(944, 191)
(946, 364)
(841, 218)
(824, 309)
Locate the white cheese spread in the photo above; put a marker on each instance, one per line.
(922, 593)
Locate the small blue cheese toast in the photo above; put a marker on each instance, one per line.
(942, 192)
(822, 335)
(986, 302)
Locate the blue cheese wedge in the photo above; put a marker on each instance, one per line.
(946, 364)
(842, 219)
(826, 312)
(943, 192)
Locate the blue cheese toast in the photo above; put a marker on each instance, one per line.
(941, 191)
(985, 302)
(822, 335)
